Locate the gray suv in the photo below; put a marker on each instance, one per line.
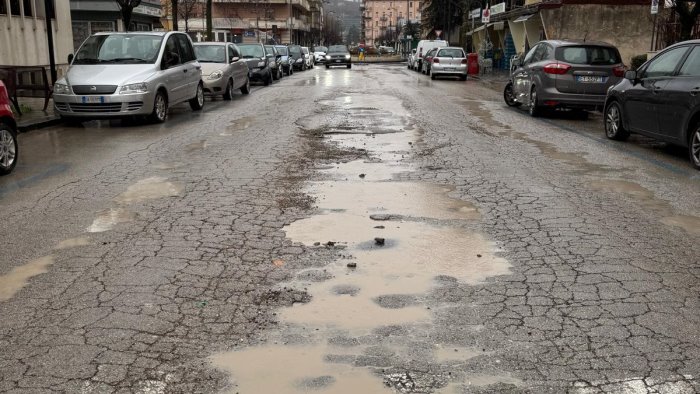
(564, 74)
(126, 74)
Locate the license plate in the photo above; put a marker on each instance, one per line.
(449, 68)
(93, 99)
(338, 61)
(589, 79)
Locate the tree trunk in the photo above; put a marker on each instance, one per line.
(210, 33)
(126, 18)
(173, 11)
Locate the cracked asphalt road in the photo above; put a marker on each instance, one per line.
(214, 253)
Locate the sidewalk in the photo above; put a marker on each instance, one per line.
(379, 59)
(496, 79)
(32, 115)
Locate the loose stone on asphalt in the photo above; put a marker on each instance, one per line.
(211, 253)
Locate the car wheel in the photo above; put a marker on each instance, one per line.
(349, 65)
(613, 123)
(197, 102)
(280, 73)
(274, 75)
(509, 96)
(228, 94)
(160, 108)
(303, 67)
(9, 151)
(694, 147)
(245, 89)
(462, 77)
(534, 108)
(268, 79)
(432, 75)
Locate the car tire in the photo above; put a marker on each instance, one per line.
(9, 150)
(534, 109)
(462, 77)
(245, 89)
(160, 108)
(280, 73)
(268, 79)
(509, 96)
(275, 75)
(197, 102)
(432, 75)
(228, 94)
(303, 67)
(349, 65)
(614, 128)
(694, 147)
(327, 66)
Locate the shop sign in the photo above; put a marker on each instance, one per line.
(498, 8)
(475, 13)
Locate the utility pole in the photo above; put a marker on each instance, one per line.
(48, 10)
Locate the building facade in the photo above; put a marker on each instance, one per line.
(279, 21)
(94, 16)
(23, 35)
(383, 19)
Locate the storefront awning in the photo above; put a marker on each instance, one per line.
(523, 18)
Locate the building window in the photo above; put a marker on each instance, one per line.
(3, 7)
(99, 27)
(28, 8)
(14, 7)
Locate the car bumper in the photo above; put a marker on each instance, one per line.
(338, 62)
(216, 86)
(320, 59)
(553, 98)
(107, 106)
(260, 74)
(299, 65)
(449, 69)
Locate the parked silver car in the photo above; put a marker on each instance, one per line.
(223, 71)
(127, 74)
(449, 61)
(564, 74)
(308, 57)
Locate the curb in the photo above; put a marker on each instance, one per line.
(25, 127)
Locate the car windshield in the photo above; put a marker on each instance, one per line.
(452, 52)
(210, 53)
(295, 50)
(320, 49)
(588, 54)
(251, 50)
(270, 50)
(305, 50)
(282, 50)
(120, 49)
(338, 48)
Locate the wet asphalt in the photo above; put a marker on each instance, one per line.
(350, 231)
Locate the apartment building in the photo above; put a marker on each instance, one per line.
(383, 19)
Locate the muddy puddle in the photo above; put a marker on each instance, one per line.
(15, 280)
(73, 243)
(149, 189)
(398, 237)
(238, 125)
(196, 146)
(109, 218)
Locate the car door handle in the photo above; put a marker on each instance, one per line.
(695, 91)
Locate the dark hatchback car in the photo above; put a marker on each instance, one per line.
(338, 55)
(660, 100)
(275, 60)
(297, 57)
(564, 74)
(259, 64)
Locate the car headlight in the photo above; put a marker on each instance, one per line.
(328, 57)
(261, 64)
(215, 75)
(134, 88)
(299, 60)
(61, 88)
(347, 56)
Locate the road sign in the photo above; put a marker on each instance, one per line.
(486, 15)
(654, 7)
(475, 13)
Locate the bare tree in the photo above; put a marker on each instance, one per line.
(188, 9)
(126, 7)
(688, 12)
(210, 33)
(173, 12)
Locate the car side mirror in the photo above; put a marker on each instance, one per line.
(235, 59)
(70, 58)
(631, 75)
(518, 62)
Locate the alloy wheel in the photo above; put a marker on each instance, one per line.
(508, 95)
(200, 95)
(612, 121)
(533, 102)
(7, 149)
(161, 109)
(695, 148)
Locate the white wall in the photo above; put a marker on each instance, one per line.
(23, 40)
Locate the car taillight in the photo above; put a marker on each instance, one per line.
(464, 61)
(436, 60)
(4, 99)
(619, 71)
(557, 68)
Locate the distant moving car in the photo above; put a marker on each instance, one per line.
(298, 57)
(564, 74)
(320, 54)
(275, 60)
(428, 61)
(308, 57)
(422, 48)
(386, 50)
(286, 61)
(9, 150)
(660, 100)
(338, 55)
(411, 58)
(223, 71)
(127, 74)
(449, 61)
(259, 65)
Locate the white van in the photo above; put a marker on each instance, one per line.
(423, 47)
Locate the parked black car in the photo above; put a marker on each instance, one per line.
(338, 55)
(297, 57)
(564, 74)
(275, 60)
(259, 65)
(285, 60)
(661, 100)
